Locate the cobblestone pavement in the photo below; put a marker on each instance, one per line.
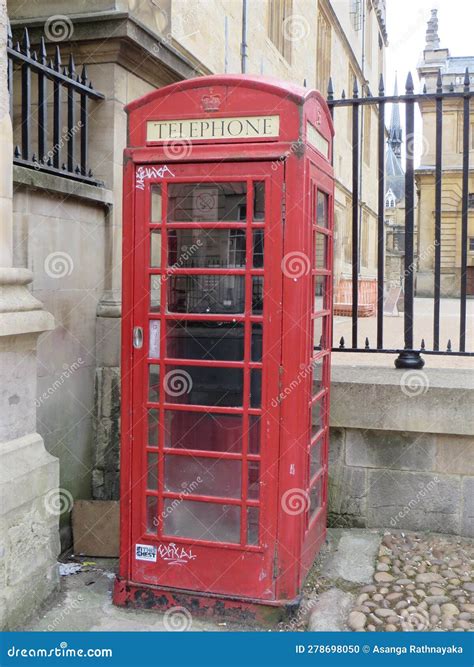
(422, 582)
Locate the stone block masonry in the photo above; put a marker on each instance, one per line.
(402, 449)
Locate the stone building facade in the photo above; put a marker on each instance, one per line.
(130, 48)
(437, 61)
(29, 474)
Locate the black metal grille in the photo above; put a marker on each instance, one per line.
(408, 352)
(56, 83)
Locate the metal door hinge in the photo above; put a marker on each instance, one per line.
(283, 205)
(275, 565)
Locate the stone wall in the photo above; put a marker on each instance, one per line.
(402, 449)
(59, 233)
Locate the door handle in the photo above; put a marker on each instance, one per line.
(137, 337)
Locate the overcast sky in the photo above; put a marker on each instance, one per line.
(406, 26)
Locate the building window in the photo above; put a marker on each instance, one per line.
(471, 244)
(323, 57)
(350, 86)
(390, 199)
(278, 12)
(368, 33)
(355, 10)
(470, 200)
(348, 233)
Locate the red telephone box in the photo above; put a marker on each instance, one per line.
(227, 280)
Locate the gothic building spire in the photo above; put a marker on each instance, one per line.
(395, 130)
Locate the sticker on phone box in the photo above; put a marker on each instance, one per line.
(145, 552)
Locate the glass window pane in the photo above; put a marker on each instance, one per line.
(205, 340)
(257, 342)
(255, 388)
(152, 477)
(258, 241)
(205, 477)
(317, 415)
(155, 249)
(319, 293)
(153, 427)
(252, 525)
(257, 295)
(201, 385)
(154, 339)
(315, 458)
(204, 431)
(206, 294)
(315, 497)
(254, 434)
(317, 375)
(203, 248)
(207, 202)
(202, 521)
(151, 514)
(258, 201)
(320, 250)
(322, 213)
(155, 293)
(253, 480)
(156, 203)
(153, 383)
(318, 338)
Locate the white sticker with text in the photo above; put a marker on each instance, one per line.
(145, 552)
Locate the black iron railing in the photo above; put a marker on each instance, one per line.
(39, 148)
(409, 356)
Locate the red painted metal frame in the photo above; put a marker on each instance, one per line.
(273, 572)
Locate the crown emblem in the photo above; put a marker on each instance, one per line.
(211, 101)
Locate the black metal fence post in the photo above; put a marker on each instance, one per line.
(409, 358)
(408, 355)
